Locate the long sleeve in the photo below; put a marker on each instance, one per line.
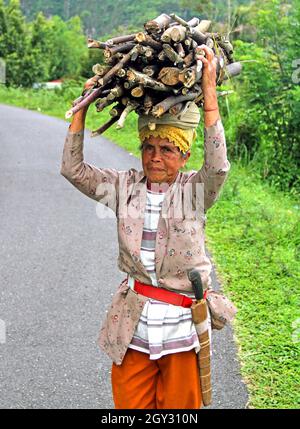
(216, 166)
(98, 184)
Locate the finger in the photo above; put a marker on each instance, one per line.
(208, 52)
(203, 59)
(90, 83)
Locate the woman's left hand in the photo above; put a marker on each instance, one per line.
(209, 70)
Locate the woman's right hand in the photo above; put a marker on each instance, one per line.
(90, 83)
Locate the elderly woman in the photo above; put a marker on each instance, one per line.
(148, 332)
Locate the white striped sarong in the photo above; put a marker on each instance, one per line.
(163, 328)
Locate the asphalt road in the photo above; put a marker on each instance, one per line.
(57, 274)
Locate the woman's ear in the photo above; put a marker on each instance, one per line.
(185, 157)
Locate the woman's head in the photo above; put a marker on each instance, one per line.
(166, 148)
(162, 159)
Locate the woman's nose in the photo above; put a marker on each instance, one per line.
(156, 154)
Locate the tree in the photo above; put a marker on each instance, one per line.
(3, 30)
(13, 40)
(266, 112)
(68, 47)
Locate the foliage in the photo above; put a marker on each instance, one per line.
(13, 39)
(253, 233)
(100, 17)
(40, 50)
(264, 115)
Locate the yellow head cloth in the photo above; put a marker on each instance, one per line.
(181, 138)
(179, 129)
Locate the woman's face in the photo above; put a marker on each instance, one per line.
(161, 160)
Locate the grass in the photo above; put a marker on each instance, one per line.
(253, 233)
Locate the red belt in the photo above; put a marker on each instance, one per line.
(162, 294)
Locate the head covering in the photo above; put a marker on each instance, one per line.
(181, 138)
(179, 129)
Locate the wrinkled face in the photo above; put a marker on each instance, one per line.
(161, 160)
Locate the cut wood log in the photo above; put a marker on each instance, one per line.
(188, 60)
(130, 84)
(116, 111)
(190, 76)
(161, 56)
(77, 100)
(100, 69)
(115, 92)
(178, 33)
(102, 103)
(169, 76)
(204, 25)
(179, 20)
(121, 73)
(148, 102)
(124, 47)
(162, 107)
(166, 36)
(149, 53)
(120, 39)
(129, 108)
(151, 70)
(138, 91)
(196, 35)
(125, 101)
(147, 40)
(83, 103)
(96, 44)
(232, 70)
(188, 42)
(185, 91)
(140, 49)
(228, 48)
(140, 78)
(110, 61)
(104, 127)
(158, 24)
(171, 54)
(103, 81)
(180, 50)
(174, 110)
(193, 22)
(199, 51)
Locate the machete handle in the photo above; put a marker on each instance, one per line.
(195, 279)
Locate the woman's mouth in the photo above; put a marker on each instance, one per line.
(155, 169)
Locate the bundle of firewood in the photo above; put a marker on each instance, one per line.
(155, 71)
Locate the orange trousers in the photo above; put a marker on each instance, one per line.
(171, 382)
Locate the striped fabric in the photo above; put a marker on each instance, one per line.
(163, 328)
